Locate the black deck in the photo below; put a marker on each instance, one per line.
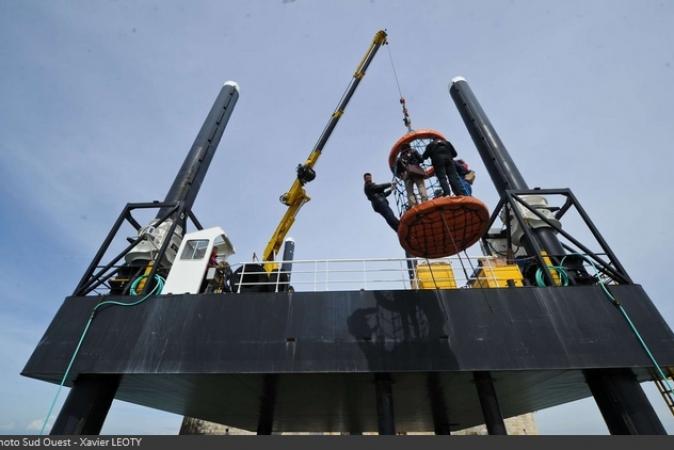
(205, 355)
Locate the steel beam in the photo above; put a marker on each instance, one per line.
(265, 422)
(489, 403)
(384, 398)
(87, 405)
(622, 402)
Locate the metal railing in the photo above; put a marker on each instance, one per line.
(368, 274)
(354, 274)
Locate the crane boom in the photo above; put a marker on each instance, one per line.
(296, 196)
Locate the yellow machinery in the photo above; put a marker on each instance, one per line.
(435, 275)
(296, 196)
(495, 273)
(556, 279)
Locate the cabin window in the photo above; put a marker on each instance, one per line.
(195, 249)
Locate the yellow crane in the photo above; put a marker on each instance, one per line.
(296, 196)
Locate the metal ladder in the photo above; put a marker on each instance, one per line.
(662, 386)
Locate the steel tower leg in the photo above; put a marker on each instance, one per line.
(265, 423)
(489, 402)
(87, 405)
(438, 405)
(622, 402)
(384, 395)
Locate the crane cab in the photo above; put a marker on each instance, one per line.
(196, 261)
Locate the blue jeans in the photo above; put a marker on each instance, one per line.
(445, 171)
(467, 187)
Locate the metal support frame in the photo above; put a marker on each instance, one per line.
(265, 422)
(90, 280)
(622, 402)
(436, 397)
(87, 405)
(384, 397)
(285, 271)
(493, 418)
(536, 248)
(510, 184)
(512, 199)
(618, 276)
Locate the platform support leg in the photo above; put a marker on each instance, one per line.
(438, 405)
(265, 422)
(384, 396)
(622, 402)
(87, 405)
(489, 402)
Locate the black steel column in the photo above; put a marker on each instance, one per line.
(411, 269)
(616, 394)
(87, 405)
(284, 273)
(438, 405)
(489, 402)
(384, 397)
(187, 182)
(622, 402)
(265, 422)
(502, 169)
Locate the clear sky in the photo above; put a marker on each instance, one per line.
(100, 101)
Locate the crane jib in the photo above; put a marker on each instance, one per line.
(296, 197)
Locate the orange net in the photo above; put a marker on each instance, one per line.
(443, 226)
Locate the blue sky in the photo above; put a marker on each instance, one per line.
(101, 101)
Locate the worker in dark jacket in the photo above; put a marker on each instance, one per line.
(377, 194)
(442, 156)
(408, 169)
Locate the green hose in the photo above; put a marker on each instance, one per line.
(563, 276)
(626, 316)
(156, 290)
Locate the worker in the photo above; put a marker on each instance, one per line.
(221, 281)
(442, 155)
(466, 175)
(408, 169)
(377, 194)
(213, 260)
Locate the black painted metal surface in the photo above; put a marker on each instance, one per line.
(493, 418)
(187, 182)
(628, 411)
(87, 405)
(206, 355)
(506, 178)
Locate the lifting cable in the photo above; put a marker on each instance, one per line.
(408, 124)
(159, 286)
(406, 115)
(473, 268)
(451, 236)
(463, 267)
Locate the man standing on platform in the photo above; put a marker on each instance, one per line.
(409, 170)
(377, 194)
(442, 155)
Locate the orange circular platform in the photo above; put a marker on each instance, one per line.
(425, 133)
(443, 226)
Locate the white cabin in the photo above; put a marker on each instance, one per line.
(191, 265)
